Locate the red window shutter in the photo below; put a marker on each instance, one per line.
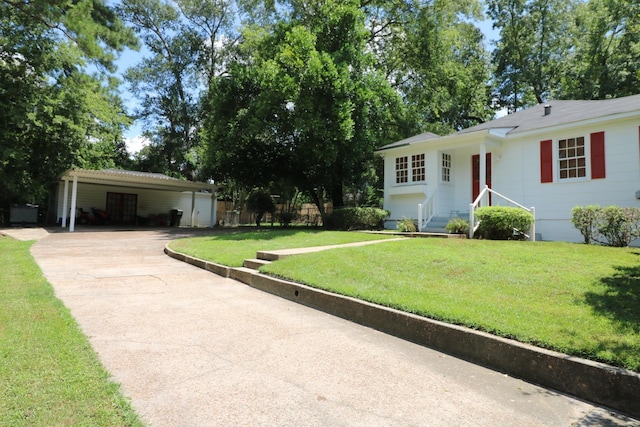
(597, 156)
(546, 161)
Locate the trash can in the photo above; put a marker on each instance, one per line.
(174, 217)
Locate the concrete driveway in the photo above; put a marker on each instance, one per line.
(193, 349)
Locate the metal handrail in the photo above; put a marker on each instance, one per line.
(473, 224)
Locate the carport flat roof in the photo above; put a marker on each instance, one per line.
(124, 178)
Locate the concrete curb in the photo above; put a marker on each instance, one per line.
(616, 388)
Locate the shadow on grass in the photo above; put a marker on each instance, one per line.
(621, 299)
(620, 302)
(262, 234)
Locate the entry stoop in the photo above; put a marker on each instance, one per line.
(437, 225)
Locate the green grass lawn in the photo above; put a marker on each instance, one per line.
(578, 299)
(49, 374)
(232, 248)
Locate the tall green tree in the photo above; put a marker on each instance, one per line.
(189, 44)
(530, 55)
(55, 114)
(163, 82)
(304, 106)
(434, 56)
(605, 60)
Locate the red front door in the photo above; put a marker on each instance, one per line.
(475, 174)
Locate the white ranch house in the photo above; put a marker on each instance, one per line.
(550, 157)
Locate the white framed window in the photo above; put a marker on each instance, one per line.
(402, 170)
(417, 168)
(572, 158)
(446, 167)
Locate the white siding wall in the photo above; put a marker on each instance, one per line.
(462, 178)
(446, 190)
(202, 214)
(518, 178)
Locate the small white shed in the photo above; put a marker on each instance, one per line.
(133, 198)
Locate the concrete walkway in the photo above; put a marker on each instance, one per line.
(193, 349)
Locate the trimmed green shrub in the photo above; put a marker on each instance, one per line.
(585, 219)
(619, 226)
(502, 222)
(407, 225)
(260, 202)
(286, 218)
(356, 219)
(613, 225)
(457, 226)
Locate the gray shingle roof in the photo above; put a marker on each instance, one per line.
(134, 179)
(120, 172)
(562, 112)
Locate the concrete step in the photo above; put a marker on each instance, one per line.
(255, 263)
(438, 223)
(269, 255)
(435, 229)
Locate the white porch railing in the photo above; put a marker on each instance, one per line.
(426, 211)
(483, 200)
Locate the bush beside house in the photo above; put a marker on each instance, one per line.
(612, 225)
(503, 222)
(356, 219)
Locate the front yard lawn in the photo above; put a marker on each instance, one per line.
(579, 299)
(232, 248)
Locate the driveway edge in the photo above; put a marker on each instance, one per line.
(595, 382)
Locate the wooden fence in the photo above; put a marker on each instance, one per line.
(307, 214)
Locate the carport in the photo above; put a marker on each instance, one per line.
(131, 189)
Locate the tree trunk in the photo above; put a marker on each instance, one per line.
(337, 198)
(316, 195)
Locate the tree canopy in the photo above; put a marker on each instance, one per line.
(303, 105)
(55, 113)
(565, 49)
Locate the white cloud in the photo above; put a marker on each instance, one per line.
(137, 143)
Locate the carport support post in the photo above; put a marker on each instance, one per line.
(65, 202)
(74, 195)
